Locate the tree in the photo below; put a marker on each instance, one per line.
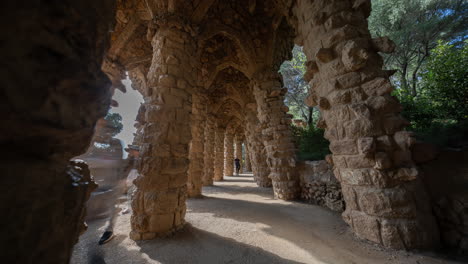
(293, 72)
(445, 81)
(415, 26)
(113, 123)
(107, 128)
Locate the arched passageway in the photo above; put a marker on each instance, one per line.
(216, 63)
(208, 72)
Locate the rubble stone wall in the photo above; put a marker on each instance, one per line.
(319, 185)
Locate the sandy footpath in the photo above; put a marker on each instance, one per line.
(238, 222)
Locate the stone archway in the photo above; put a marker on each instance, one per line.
(370, 155)
(58, 90)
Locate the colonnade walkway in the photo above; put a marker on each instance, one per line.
(238, 222)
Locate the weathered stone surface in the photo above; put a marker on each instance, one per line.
(228, 153)
(247, 164)
(196, 169)
(383, 44)
(371, 152)
(219, 155)
(188, 63)
(238, 148)
(319, 185)
(281, 155)
(209, 152)
(257, 151)
(162, 187)
(53, 93)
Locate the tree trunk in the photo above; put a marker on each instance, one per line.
(310, 118)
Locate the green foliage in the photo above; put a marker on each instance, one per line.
(310, 143)
(444, 133)
(445, 81)
(416, 26)
(293, 72)
(114, 124)
(439, 113)
(431, 74)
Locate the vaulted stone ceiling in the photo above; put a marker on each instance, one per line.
(246, 35)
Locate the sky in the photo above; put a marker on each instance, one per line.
(129, 103)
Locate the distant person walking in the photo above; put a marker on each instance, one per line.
(237, 162)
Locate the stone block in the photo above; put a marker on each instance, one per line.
(382, 161)
(340, 97)
(350, 197)
(405, 174)
(390, 235)
(161, 223)
(377, 86)
(311, 99)
(385, 143)
(344, 147)
(325, 55)
(354, 57)
(167, 80)
(366, 227)
(383, 44)
(366, 145)
(167, 202)
(394, 123)
(364, 177)
(349, 80)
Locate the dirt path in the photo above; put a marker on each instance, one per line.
(237, 222)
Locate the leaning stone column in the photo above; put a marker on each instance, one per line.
(159, 203)
(194, 184)
(219, 154)
(209, 152)
(257, 151)
(276, 134)
(386, 201)
(247, 165)
(228, 153)
(238, 148)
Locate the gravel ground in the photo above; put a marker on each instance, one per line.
(238, 222)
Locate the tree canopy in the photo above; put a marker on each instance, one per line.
(431, 66)
(416, 26)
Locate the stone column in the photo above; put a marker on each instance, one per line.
(238, 148)
(194, 184)
(159, 203)
(219, 154)
(209, 153)
(276, 134)
(228, 153)
(247, 165)
(386, 201)
(256, 148)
